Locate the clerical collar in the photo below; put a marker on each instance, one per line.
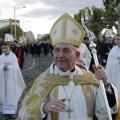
(67, 73)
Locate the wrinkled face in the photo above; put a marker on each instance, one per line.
(65, 56)
(6, 49)
(117, 41)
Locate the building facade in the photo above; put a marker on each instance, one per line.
(10, 22)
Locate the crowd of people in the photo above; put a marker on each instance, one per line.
(103, 47)
(21, 50)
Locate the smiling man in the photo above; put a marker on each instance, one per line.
(65, 56)
(65, 91)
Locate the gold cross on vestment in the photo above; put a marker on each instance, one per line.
(74, 31)
(69, 110)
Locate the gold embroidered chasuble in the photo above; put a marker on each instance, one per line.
(44, 84)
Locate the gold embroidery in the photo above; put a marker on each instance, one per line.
(85, 79)
(42, 88)
(54, 32)
(87, 90)
(54, 116)
(56, 80)
(74, 31)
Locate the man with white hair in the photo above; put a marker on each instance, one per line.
(65, 91)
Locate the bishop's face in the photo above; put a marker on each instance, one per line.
(65, 56)
(6, 49)
(117, 41)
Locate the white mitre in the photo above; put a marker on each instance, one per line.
(109, 33)
(67, 29)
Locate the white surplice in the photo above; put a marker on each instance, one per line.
(85, 55)
(11, 84)
(113, 67)
(78, 102)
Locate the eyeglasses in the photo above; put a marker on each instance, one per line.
(64, 51)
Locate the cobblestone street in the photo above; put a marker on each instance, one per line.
(33, 66)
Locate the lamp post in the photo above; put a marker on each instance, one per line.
(22, 26)
(15, 20)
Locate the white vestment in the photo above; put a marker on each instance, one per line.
(113, 67)
(78, 102)
(85, 55)
(11, 84)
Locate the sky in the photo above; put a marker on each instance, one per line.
(39, 15)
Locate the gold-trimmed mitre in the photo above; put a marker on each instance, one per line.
(67, 29)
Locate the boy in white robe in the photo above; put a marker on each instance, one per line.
(11, 82)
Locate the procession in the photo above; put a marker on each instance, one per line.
(70, 71)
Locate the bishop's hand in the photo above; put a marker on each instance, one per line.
(101, 74)
(54, 105)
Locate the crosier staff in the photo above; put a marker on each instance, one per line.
(86, 17)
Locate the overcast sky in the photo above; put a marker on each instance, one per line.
(41, 14)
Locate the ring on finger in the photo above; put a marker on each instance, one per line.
(53, 106)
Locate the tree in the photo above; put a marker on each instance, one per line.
(7, 29)
(44, 38)
(117, 2)
(112, 10)
(111, 14)
(112, 3)
(96, 24)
